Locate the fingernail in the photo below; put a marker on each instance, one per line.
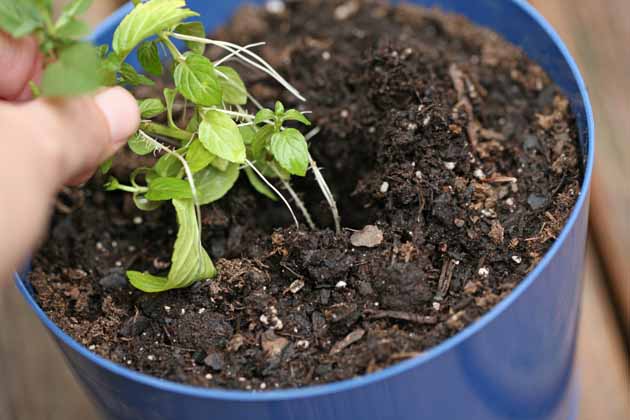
(121, 112)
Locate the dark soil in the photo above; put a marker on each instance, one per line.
(451, 142)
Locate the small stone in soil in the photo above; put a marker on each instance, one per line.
(115, 279)
(496, 233)
(135, 326)
(369, 237)
(214, 361)
(235, 343)
(346, 10)
(296, 286)
(348, 340)
(536, 201)
(272, 345)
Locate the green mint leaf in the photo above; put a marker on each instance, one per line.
(149, 58)
(248, 133)
(259, 185)
(279, 108)
(102, 51)
(190, 262)
(193, 124)
(161, 189)
(195, 29)
(150, 108)
(76, 72)
(220, 136)
(46, 6)
(106, 166)
(169, 96)
(212, 184)
(148, 19)
(197, 81)
(198, 157)
(264, 115)
(144, 204)
(112, 184)
(261, 141)
(234, 91)
(220, 164)
(168, 166)
(290, 150)
(73, 29)
(146, 282)
(129, 76)
(295, 115)
(19, 18)
(139, 145)
(70, 12)
(109, 68)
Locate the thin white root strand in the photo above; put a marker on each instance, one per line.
(232, 54)
(241, 115)
(298, 202)
(189, 176)
(270, 185)
(241, 53)
(321, 181)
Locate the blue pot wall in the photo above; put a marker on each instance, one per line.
(516, 362)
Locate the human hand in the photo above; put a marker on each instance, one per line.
(47, 143)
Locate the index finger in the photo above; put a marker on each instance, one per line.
(20, 62)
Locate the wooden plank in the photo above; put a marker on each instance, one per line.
(598, 34)
(35, 382)
(601, 360)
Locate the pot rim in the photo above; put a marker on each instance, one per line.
(401, 367)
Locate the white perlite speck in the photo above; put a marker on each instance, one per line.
(385, 187)
(484, 272)
(341, 284)
(275, 6)
(517, 259)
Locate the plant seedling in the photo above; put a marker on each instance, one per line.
(199, 162)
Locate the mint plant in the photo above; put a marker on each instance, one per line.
(199, 163)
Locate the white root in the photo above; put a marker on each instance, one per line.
(232, 54)
(242, 54)
(323, 185)
(296, 199)
(270, 185)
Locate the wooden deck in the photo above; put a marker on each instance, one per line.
(35, 384)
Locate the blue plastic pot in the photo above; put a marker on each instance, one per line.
(516, 362)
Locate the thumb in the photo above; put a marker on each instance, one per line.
(75, 135)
